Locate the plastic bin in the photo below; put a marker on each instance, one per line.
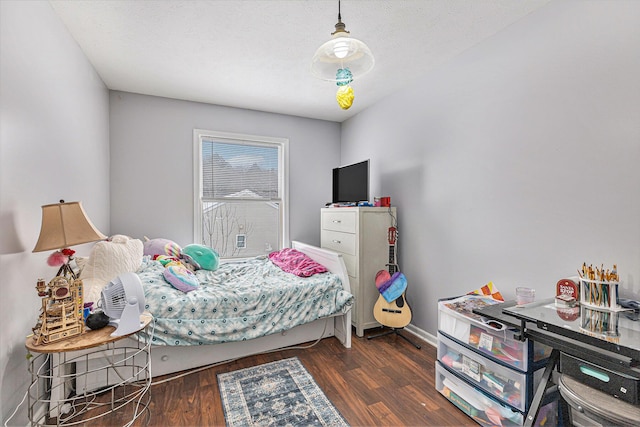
(456, 319)
(483, 409)
(474, 403)
(507, 385)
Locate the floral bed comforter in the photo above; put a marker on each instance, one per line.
(238, 301)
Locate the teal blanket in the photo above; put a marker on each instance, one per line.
(239, 301)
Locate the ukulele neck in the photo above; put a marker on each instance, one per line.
(393, 267)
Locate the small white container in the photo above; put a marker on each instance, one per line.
(597, 294)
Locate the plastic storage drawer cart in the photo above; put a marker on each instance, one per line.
(483, 369)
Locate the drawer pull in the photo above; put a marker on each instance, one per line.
(336, 221)
(336, 241)
(594, 373)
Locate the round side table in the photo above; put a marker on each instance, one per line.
(89, 376)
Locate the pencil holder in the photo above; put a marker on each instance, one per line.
(598, 294)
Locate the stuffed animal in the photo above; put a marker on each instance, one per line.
(166, 260)
(180, 262)
(201, 257)
(166, 247)
(181, 278)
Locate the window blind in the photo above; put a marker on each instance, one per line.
(239, 171)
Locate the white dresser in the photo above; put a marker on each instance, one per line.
(360, 234)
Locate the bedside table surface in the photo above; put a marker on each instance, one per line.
(88, 339)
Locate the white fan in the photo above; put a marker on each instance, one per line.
(123, 301)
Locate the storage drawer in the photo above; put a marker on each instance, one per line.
(339, 242)
(350, 263)
(508, 385)
(483, 410)
(456, 319)
(339, 220)
(617, 384)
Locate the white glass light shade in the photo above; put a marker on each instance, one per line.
(340, 52)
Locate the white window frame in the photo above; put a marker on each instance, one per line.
(200, 134)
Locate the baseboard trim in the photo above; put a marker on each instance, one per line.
(422, 334)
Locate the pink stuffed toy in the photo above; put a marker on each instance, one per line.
(166, 247)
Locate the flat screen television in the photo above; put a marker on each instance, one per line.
(351, 183)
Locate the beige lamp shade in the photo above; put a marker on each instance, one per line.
(64, 225)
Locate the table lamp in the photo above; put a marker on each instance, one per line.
(61, 316)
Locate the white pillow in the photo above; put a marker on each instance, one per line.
(107, 260)
(81, 262)
(92, 290)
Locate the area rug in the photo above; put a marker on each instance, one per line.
(281, 393)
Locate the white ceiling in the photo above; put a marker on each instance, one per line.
(256, 54)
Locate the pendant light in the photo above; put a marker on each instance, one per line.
(341, 60)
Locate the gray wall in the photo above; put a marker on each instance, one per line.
(516, 161)
(54, 144)
(152, 163)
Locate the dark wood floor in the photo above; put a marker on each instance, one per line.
(379, 382)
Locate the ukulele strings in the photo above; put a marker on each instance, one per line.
(394, 223)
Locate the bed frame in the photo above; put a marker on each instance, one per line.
(171, 359)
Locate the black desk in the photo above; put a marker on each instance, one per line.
(605, 338)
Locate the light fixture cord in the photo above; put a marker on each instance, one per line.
(340, 27)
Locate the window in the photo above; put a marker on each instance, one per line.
(240, 193)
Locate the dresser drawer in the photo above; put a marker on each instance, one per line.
(339, 220)
(350, 263)
(339, 242)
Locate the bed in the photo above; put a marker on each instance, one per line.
(209, 325)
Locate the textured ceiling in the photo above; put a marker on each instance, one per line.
(256, 54)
